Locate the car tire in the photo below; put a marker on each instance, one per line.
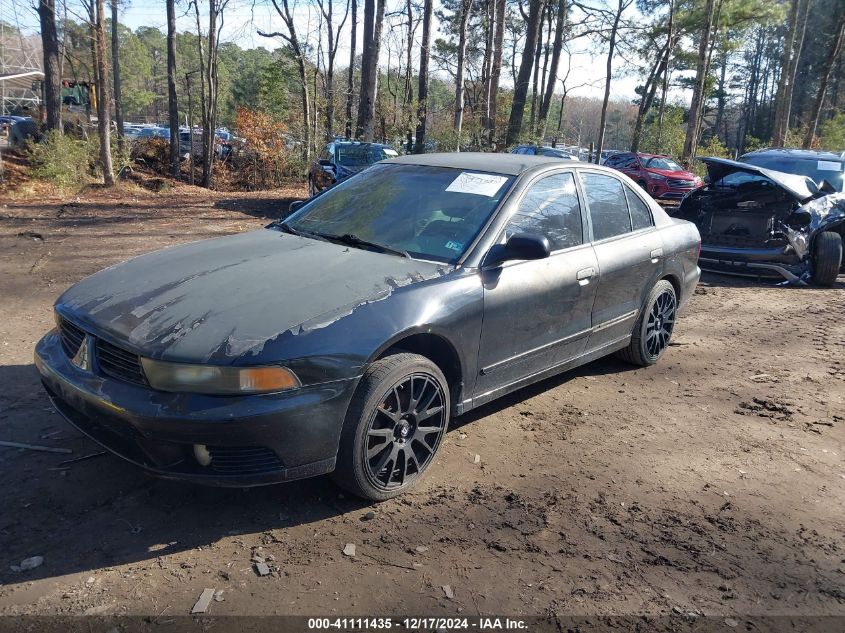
(827, 258)
(385, 406)
(653, 329)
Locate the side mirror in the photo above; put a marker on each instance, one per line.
(520, 246)
(325, 162)
(295, 205)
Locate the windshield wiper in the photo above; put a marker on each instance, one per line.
(354, 240)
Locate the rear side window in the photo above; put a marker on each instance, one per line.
(608, 207)
(640, 213)
(550, 207)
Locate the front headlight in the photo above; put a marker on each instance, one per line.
(212, 379)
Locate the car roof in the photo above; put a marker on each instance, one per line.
(358, 143)
(808, 154)
(510, 164)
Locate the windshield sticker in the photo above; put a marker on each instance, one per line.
(454, 246)
(478, 184)
(829, 165)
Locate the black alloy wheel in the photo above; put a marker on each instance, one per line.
(394, 426)
(653, 329)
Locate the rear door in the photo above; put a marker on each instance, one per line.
(537, 313)
(629, 251)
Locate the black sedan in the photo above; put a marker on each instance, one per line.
(345, 337)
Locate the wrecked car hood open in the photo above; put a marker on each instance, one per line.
(216, 300)
(799, 187)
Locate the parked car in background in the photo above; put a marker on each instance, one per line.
(341, 159)
(659, 175)
(607, 153)
(417, 290)
(820, 166)
(543, 150)
(154, 132)
(763, 223)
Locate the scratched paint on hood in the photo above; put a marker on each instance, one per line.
(220, 299)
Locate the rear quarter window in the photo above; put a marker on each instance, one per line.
(640, 213)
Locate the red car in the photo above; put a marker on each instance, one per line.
(659, 175)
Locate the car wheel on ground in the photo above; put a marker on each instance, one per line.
(653, 329)
(827, 258)
(394, 426)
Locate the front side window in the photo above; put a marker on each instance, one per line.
(432, 213)
(640, 213)
(550, 207)
(608, 207)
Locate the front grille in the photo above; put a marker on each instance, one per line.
(243, 460)
(681, 184)
(118, 363)
(72, 337)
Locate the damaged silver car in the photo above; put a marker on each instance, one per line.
(763, 223)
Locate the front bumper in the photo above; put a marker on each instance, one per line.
(252, 439)
(771, 261)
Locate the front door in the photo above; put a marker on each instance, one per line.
(537, 313)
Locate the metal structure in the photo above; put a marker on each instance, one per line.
(20, 61)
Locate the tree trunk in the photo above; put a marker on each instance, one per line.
(422, 89)
(103, 110)
(350, 77)
(833, 53)
(466, 7)
(520, 93)
(172, 103)
(373, 23)
(538, 51)
(52, 72)
(210, 80)
(496, 68)
(789, 65)
(556, 49)
(115, 62)
(697, 103)
(610, 50)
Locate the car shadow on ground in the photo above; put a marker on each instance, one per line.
(102, 512)
(269, 208)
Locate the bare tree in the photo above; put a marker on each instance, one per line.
(97, 27)
(422, 91)
(697, 103)
(172, 103)
(333, 41)
(520, 92)
(350, 79)
(115, 63)
(495, 68)
(292, 39)
(791, 52)
(465, 8)
(556, 49)
(52, 70)
(833, 53)
(611, 49)
(373, 24)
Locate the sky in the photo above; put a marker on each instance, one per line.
(243, 19)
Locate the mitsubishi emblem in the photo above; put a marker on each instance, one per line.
(82, 359)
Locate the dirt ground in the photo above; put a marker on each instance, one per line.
(712, 483)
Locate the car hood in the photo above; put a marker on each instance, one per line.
(799, 187)
(218, 300)
(674, 173)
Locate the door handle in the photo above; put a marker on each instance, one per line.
(656, 254)
(583, 276)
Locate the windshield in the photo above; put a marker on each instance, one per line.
(431, 213)
(663, 163)
(359, 155)
(818, 170)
